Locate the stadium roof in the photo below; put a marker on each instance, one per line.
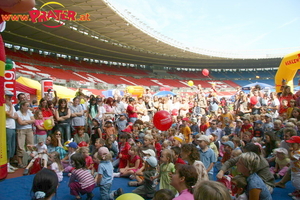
(108, 36)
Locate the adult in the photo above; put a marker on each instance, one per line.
(21, 97)
(263, 170)
(211, 190)
(213, 102)
(24, 131)
(109, 108)
(273, 107)
(92, 112)
(45, 184)
(184, 108)
(202, 103)
(63, 117)
(11, 116)
(150, 107)
(248, 164)
(183, 180)
(77, 118)
(255, 103)
(46, 111)
(131, 110)
(214, 129)
(141, 108)
(286, 94)
(55, 144)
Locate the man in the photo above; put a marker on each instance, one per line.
(11, 116)
(21, 97)
(213, 129)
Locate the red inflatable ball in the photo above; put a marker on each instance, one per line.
(205, 72)
(162, 120)
(253, 100)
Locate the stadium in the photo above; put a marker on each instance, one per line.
(93, 46)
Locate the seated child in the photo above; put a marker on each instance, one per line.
(88, 159)
(148, 189)
(66, 161)
(41, 152)
(238, 186)
(282, 163)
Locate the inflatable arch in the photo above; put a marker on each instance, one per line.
(287, 70)
(137, 91)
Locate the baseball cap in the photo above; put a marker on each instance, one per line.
(152, 161)
(72, 145)
(103, 151)
(204, 138)
(149, 152)
(229, 143)
(294, 139)
(178, 138)
(8, 93)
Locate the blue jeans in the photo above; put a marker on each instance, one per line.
(104, 191)
(11, 142)
(65, 129)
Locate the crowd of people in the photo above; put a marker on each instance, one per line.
(250, 142)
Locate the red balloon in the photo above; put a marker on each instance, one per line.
(205, 72)
(253, 100)
(162, 120)
(82, 144)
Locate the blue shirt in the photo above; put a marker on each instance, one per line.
(207, 158)
(255, 182)
(105, 168)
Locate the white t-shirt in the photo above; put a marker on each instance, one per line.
(54, 167)
(41, 149)
(10, 122)
(24, 117)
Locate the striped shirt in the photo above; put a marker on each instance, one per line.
(83, 177)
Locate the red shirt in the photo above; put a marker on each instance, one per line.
(180, 161)
(130, 111)
(46, 112)
(247, 127)
(203, 127)
(158, 149)
(89, 162)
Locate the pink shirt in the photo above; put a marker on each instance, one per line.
(185, 195)
(40, 123)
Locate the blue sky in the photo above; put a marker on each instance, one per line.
(271, 26)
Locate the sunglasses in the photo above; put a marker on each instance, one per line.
(57, 134)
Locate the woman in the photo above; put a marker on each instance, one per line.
(271, 143)
(248, 165)
(45, 184)
(24, 131)
(190, 153)
(286, 94)
(273, 107)
(183, 180)
(77, 118)
(263, 169)
(109, 109)
(56, 145)
(211, 190)
(93, 112)
(46, 111)
(63, 117)
(81, 136)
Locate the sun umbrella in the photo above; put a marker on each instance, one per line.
(262, 86)
(164, 93)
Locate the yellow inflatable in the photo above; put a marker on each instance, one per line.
(130, 196)
(135, 90)
(287, 70)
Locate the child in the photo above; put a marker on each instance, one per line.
(56, 165)
(186, 131)
(228, 147)
(246, 138)
(238, 186)
(247, 126)
(164, 194)
(40, 131)
(148, 140)
(134, 163)
(166, 145)
(123, 152)
(268, 125)
(96, 133)
(258, 131)
(105, 173)
(166, 167)
(99, 143)
(66, 161)
(40, 153)
(235, 153)
(148, 189)
(178, 140)
(222, 147)
(213, 146)
(81, 180)
(294, 143)
(282, 163)
(109, 129)
(290, 108)
(177, 152)
(89, 164)
(207, 155)
(204, 124)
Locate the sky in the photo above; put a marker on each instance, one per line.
(243, 26)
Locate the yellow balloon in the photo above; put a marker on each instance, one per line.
(48, 124)
(130, 196)
(190, 83)
(65, 145)
(257, 76)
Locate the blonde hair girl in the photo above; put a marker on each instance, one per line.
(56, 165)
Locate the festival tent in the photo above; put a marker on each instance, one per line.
(164, 93)
(23, 88)
(262, 86)
(62, 92)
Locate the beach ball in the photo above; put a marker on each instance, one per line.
(205, 72)
(190, 83)
(162, 120)
(48, 124)
(130, 196)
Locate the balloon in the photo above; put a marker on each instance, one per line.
(205, 72)
(253, 100)
(257, 76)
(130, 196)
(190, 83)
(48, 124)
(162, 120)
(65, 145)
